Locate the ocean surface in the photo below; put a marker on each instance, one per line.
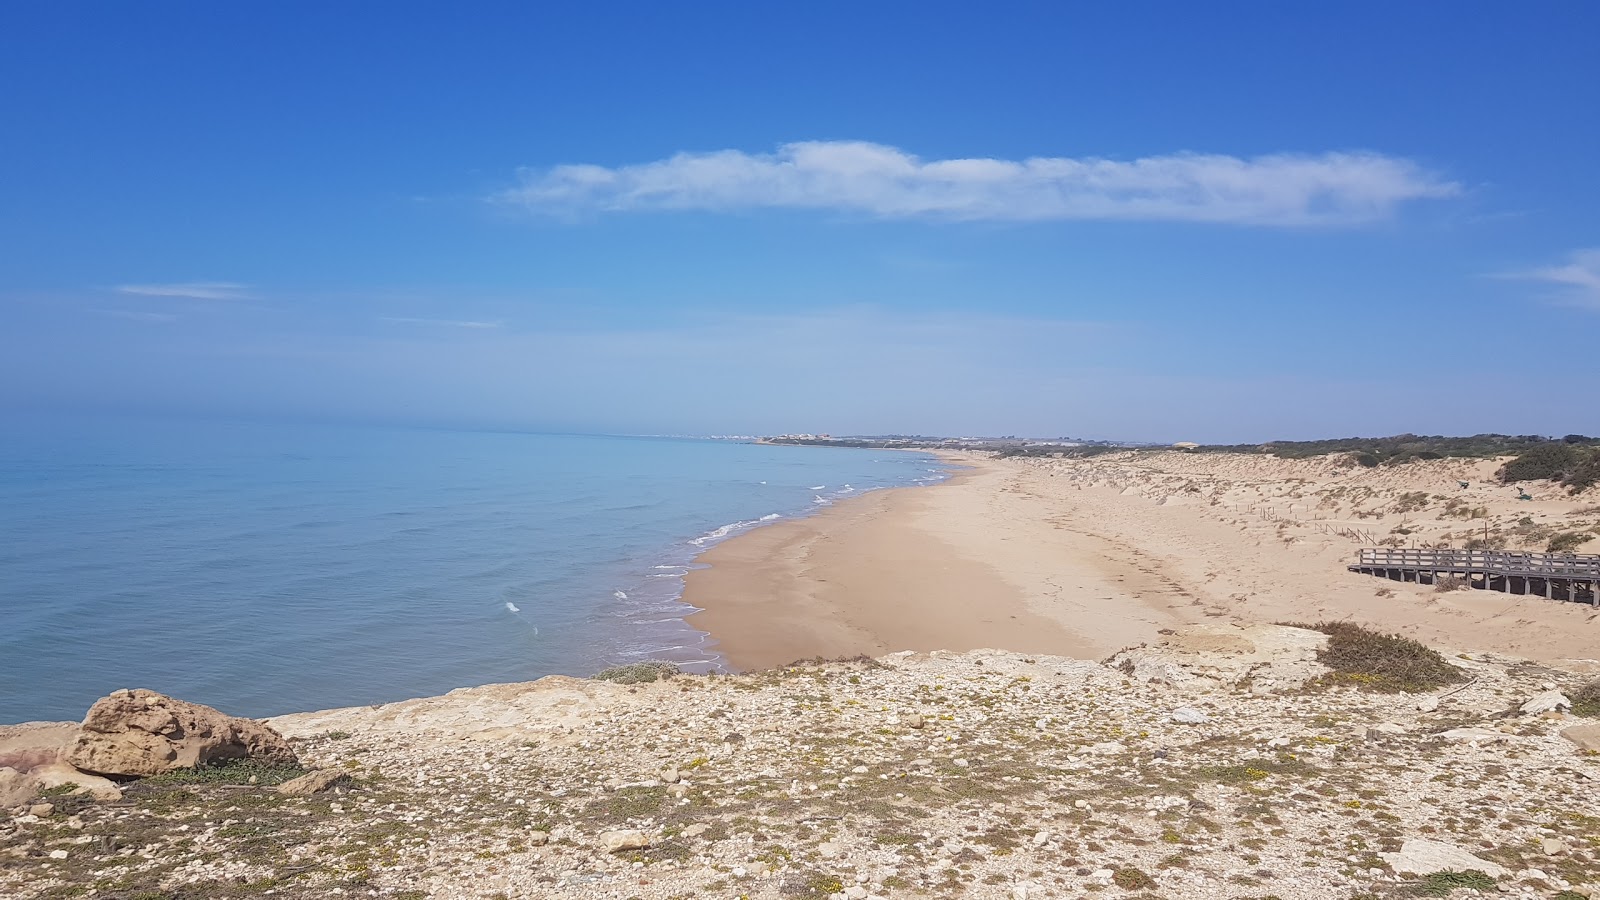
(272, 568)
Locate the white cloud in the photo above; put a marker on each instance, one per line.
(192, 290)
(137, 315)
(856, 176)
(449, 323)
(1580, 276)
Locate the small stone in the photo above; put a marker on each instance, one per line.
(914, 721)
(1552, 846)
(42, 810)
(696, 829)
(670, 776)
(1427, 704)
(538, 838)
(860, 770)
(1473, 736)
(1080, 804)
(1041, 838)
(1424, 857)
(856, 892)
(828, 850)
(313, 783)
(1101, 875)
(1188, 715)
(679, 790)
(628, 839)
(58, 854)
(961, 763)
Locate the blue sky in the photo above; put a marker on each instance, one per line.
(1136, 220)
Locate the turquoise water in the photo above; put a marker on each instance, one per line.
(268, 568)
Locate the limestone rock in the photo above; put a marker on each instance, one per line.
(1552, 846)
(1474, 736)
(313, 783)
(1428, 704)
(1549, 701)
(42, 810)
(1188, 715)
(1587, 737)
(57, 774)
(28, 746)
(141, 733)
(629, 839)
(1424, 857)
(17, 788)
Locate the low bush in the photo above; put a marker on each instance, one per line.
(1586, 700)
(1451, 583)
(1567, 542)
(638, 673)
(1380, 662)
(1547, 463)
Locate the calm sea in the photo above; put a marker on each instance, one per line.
(270, 568)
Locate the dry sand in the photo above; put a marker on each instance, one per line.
(1080, 558)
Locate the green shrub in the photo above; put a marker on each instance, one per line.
(638, 673)
(1586, 700)
(233, 771)
(1442, 884)
(1549, 462)
(1380, 662)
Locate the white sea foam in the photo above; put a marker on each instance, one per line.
(512, 606)
(718, 534)
(821, 501)
(770, 516)
(817, 487)
(620, 595)
(670, 567)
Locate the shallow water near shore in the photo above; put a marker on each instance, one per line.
(269, 568)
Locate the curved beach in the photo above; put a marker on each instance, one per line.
(1082, 557)
(952, 566)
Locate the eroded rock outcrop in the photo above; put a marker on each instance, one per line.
(141, 733)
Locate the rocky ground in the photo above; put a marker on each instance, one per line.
(1208, 767)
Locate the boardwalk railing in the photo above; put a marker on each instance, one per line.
(1485, 562)
(1504, 570)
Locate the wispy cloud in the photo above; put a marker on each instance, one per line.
(1579, 276)
(192, 290)
(138, 315)
(446, 323)
(856, 176)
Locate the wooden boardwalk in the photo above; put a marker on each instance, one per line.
(1557, 576)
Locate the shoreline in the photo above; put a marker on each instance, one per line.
(1081, 558)
(934, 567)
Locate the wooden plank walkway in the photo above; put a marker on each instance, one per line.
(1560, 576)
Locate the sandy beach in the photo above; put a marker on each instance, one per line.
(1081, 558)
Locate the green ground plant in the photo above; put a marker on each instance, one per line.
(1389, 663)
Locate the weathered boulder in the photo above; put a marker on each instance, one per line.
(313, 783)
(1423, 857)
(30, 745)
(1549, 701)
(140, 732)
(17, 788)
(58, 774)
(1586, 737)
